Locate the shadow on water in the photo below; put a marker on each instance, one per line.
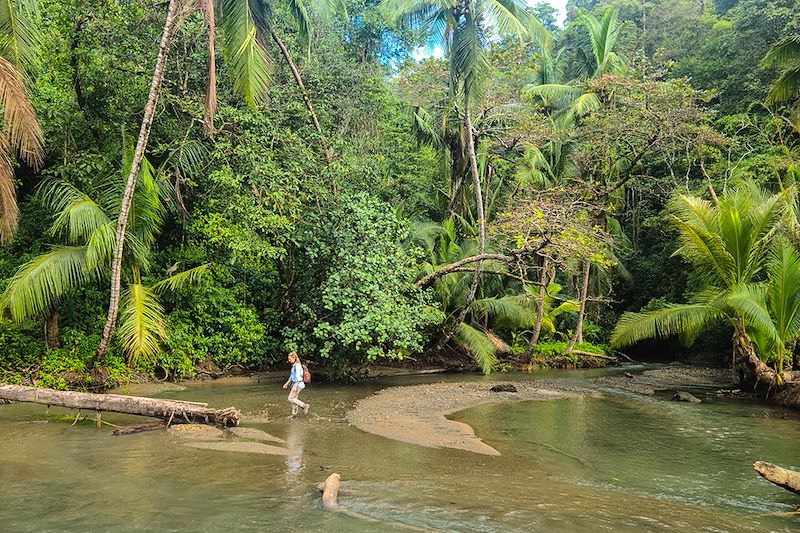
(617, 463)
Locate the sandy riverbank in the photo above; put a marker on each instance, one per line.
(418, 414)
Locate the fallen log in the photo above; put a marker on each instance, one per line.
(330, 491)
(173, 411)
(787, 479)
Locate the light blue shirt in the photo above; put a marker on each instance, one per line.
(296, 375)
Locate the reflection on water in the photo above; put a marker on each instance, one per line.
(620, 463)
(295, 440)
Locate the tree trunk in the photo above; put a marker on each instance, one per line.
(537, 326)
(298, 80)
(754, 375)
(51, 330)
(173, 411)
(458, 264)
(476, 183)
(211, 91)
(127, 197)
(787, 479)
(577, 337)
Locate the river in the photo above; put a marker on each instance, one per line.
(622, 462)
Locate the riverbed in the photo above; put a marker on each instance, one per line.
(611, 460)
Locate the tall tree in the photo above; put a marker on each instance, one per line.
(130, 185)
(20, 133)
(464, 27)
(571, 98)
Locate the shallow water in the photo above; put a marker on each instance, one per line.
(620, 463)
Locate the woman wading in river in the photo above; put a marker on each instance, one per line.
(295, 385)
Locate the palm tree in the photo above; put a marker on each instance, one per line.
(464, 28)
(727, 244)
(471, 330)
(603, 36)
(772, 309)
(20, 133)
(130, 185)
(84, 221)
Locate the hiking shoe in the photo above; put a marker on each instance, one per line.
(305, 409)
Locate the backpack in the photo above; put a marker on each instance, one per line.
(306, 375)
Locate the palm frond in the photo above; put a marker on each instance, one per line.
(77, 215)
(662, 323)
(508, 15)
(751, 301)
(477, 344)
(554, 94)
(141, 325)
(784, 53)
(303, 23)
(190, 276)
(585, 104)
(426, 233)
(190, 157)
(783, 294)
(330, 9)
(20, 36)
(39, 283)
(21, 131)
(247, 59)
(786, 87)
(510, 309)
(9, 210)
(424, 129)
(100, 247)
(468, 61)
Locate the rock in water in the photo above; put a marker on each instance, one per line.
(504, 387)
(628, 375)
(681, 396)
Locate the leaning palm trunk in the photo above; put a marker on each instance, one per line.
(577, 337)
(127, 197)
(753, 373)
(298, 80)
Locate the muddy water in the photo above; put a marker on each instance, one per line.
(618, 463)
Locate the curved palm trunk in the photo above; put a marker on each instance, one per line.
(127, 197)
(577, 337)
(753, 373)
(298, 80)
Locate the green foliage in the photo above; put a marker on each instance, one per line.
(362, 306)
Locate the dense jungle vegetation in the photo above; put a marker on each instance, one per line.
(369, 181)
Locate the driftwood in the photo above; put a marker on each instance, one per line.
(139, 428)
(682, 396)
(788, 479)
(173, 411)
(330, 491)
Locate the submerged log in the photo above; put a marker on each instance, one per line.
(788, 479)
(173, 411)
(682, 396)
(330, 491)
(139, 428)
